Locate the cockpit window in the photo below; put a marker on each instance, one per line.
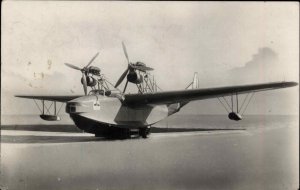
(100, 92)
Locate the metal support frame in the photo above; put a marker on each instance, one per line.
(48, 108)
(247, 103)
(240, 109)
(148, 85)
(102, 84)
(43, 101)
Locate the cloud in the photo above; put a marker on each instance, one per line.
(264, 58)
(263, 67)
(56, 83)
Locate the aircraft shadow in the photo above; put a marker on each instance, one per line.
(44, 139)
(21, 139)
(74, 129)
(172, 130)
(45, 128)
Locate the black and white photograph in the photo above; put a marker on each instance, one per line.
(160, 95)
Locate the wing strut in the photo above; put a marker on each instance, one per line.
(223, 104)
(239, 110)
(46, 110)
(252, 94)
(43, 101)
(38, 105)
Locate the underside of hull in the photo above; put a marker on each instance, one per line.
(106, 130)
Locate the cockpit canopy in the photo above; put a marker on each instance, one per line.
(100, 92)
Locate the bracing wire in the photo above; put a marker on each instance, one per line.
(244, 102)
(110, 83)
(60, 108)
(237, 102)
(248, 103)
(158, 87)
(243, 108)
(48, 108)
(223, 104)
(37, 105)
(226, 102)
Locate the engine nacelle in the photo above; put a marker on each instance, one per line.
(94, 70)
(90, 81)
(234, 116)
(134, 77)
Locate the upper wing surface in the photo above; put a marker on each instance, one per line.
(169, 97)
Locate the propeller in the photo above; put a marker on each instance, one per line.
(84, 71)
(92, 60)
(122, 77)
(84, 83)
(128, 67)
(125, 52)
(72, 66)
(131, 66)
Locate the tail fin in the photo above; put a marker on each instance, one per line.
(195, 83)
(192, 85)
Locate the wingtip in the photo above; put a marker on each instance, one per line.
(290, 84)
(295, 83)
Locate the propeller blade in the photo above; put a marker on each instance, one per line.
(121, 78)
(72, 66)
(125, 52)
(148, 68)
(92, 59)
(84, 83)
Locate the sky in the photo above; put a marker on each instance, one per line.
(227, 43)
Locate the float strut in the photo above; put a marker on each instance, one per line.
(232, 103)
(237, 103)
(54, 107)
(43, 106)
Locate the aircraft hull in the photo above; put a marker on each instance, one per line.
(99, 114)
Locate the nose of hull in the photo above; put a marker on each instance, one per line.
(83, 105)
(73, 108)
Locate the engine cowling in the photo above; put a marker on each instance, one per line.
(134, 77)
(94, 70)
(234, 116)
(90, 81)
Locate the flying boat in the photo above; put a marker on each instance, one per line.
(107, 111)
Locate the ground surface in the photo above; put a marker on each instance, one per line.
(255, 158)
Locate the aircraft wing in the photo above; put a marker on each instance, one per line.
(50, 98)
(169, 97)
